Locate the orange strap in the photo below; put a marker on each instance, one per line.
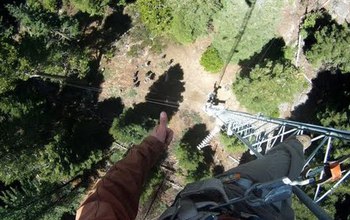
(335, 171)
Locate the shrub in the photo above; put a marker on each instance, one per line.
(211, 60)
(232, 144)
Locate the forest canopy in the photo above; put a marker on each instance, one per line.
(59, 131)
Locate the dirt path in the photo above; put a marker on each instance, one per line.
(119, 72)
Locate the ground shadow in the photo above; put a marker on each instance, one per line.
(218, 169)
(273, 50)
(246, 157)
(329, 91)
(164, 95)
(341, 206)
(86, 121)
(110, 108)
(101, 39)
(6, 19)
(320, 22)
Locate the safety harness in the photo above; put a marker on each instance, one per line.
(208, 199)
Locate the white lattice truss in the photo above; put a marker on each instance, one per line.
(260, 134)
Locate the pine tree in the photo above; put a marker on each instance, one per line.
(10, 62)
(331, 49)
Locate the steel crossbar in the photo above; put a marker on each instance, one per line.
(258, 131)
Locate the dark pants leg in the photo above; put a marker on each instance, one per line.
(284, 160)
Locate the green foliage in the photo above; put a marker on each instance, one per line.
(211, 61)
(10, 62)
(289, 52)
(58, 161)
(116, 156)
(335, 119)
(194, 164)
(50, 134)
(61, 59)
(309, 23)
(155, 14)
(51, 161)
(152, 184)
(127, 133)
(50, 5)
(192, 19)
(331, 49)
(134, 50)
(189, 158)
(46, 43)
(269, 85)
(92, 7)
(232, 144)
(301, 211)
(40, 200)
(260, 29)
(39, 23)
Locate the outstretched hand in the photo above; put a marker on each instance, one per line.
(161, 131)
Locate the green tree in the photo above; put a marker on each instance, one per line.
(55, 59)
(268, 85)
(47, 43)
(190, 159)
(41, 200)
(50, 5)
(155, 14)
(260, 29)
(152, 184)
(192, 19)
(92, 7)
(10, 62)
(21, 121)
(38, 23)
(331, 49)
(211, 61)
(194, 163)
(127, 133)
(232, 144)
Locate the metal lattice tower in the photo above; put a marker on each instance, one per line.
(260, 134)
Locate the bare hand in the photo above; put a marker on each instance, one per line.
(161, 131)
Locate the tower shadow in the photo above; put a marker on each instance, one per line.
(164, 95)
(273, 50)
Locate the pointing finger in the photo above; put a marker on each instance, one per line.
(163, 120)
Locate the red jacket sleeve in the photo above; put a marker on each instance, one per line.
(117, 194)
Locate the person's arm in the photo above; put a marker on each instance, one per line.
(116, 195)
